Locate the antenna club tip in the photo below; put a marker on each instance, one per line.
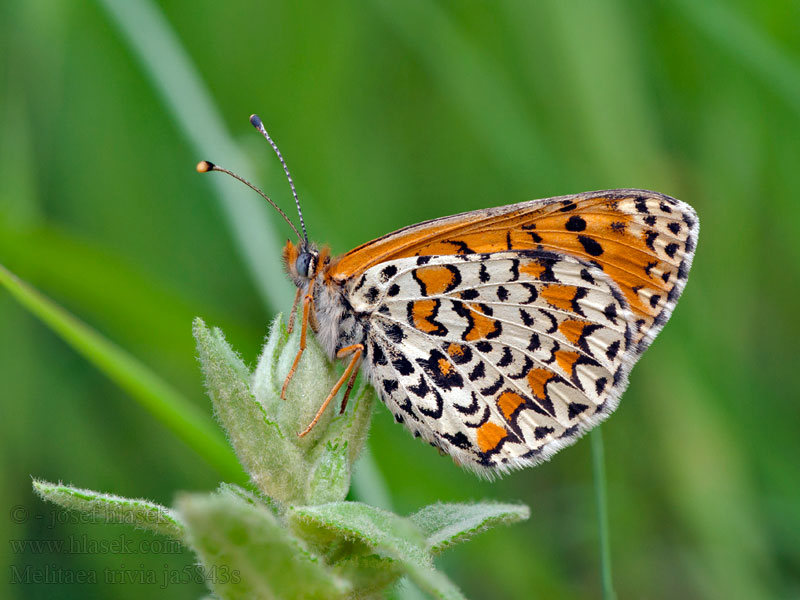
(255, 121)
(204, 166)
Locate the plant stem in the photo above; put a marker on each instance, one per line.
(599, 469)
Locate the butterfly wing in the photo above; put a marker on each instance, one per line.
(502, 335)
(644, 241)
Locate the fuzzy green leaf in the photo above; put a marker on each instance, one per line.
(273, 462)
(366, 524)
(388, 535)
(247, 553)
(445, 525)
(113, 509)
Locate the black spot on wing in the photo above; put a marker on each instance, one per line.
(576, 408)
(471, 409)
(618, 227)
(649, 238)
(654, 300)
(478, 372)
(533, 293)
(388, 272)
(599, 386)
(523, 371)
(436, 412)
(408, 408)
(527, 319)
(506, 359)
(483, 418)
(569, 432)
(580, 294)
(441, 371)
(610, 313)
(376, 354)
(484, 347)
(553, 321)
(492, 389)
(459, 440)
(575, 223)
(590, 245)
(671, 249)
(568, 205)
(394, 333)
(401, 364)
(421, 389)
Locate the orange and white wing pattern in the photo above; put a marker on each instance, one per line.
(502, 335)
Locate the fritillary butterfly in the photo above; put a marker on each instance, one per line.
(501, 335)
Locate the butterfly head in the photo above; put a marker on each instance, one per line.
(303, 261)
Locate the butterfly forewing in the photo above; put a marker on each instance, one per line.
(644, 241)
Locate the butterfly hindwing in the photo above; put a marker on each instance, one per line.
(499, 359)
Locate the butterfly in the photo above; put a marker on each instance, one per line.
(499, 335)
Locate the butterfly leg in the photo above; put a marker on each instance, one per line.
(292, 314)
(350, 372)
(349, 388)
(307, 300)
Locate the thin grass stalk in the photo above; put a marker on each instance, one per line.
(601, 499)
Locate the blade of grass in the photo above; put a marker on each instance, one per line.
(601, 500)
(165, 403)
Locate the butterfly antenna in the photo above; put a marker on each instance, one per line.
(205, 166)
(255, 121)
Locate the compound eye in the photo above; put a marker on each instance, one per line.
(303, 264)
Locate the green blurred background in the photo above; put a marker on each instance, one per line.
(390, 113)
